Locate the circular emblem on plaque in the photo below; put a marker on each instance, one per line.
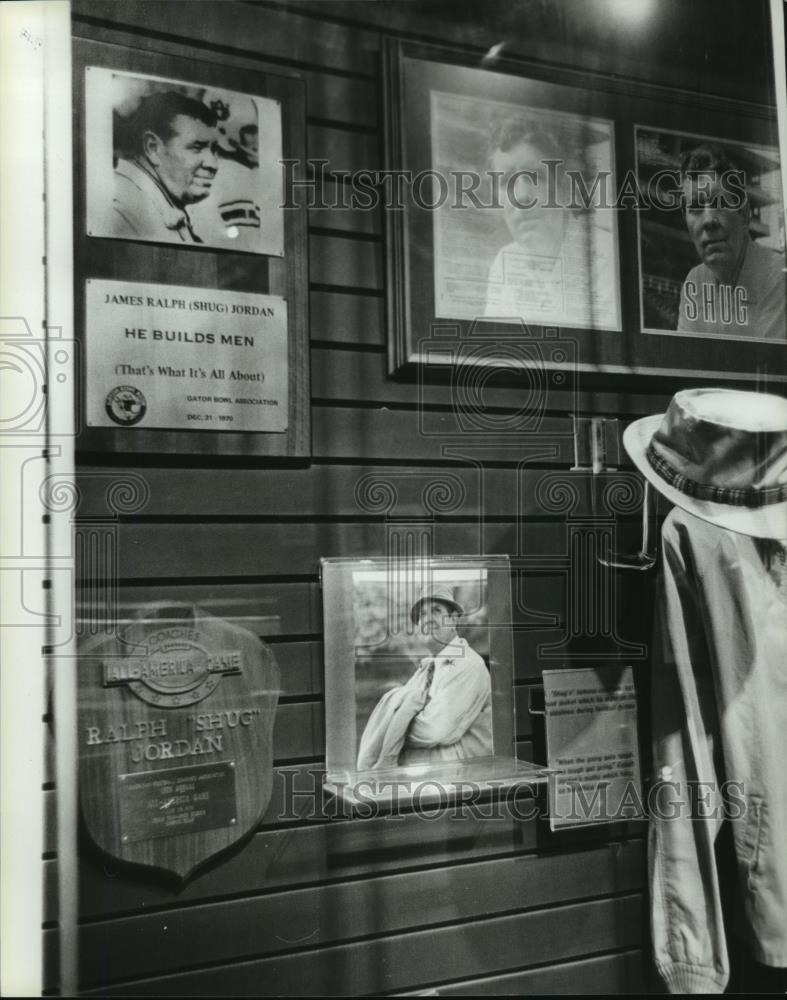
(178, 671)
(126, 405)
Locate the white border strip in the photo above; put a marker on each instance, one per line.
(23, 552)
(61, 428)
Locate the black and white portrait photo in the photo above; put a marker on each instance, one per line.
(536, 249)
(422, 681)
(173, 162)
(711, 239)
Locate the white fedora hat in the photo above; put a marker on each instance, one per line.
(720, 454)
(443, 594)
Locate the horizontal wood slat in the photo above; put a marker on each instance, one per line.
(265, 32)
(365, 222)
(407, 960)
(330, 96)
(343, 318)
(299, 731)
(412, 436)
(335, 211)
(346, 150)
(327, 914)
(154, 550)
(338, 261)
(607, 975)
(353, 490)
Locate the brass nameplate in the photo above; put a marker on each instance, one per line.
(176, 801)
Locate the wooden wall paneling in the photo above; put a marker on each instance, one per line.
(328, 220)
(301, 668)
(193, 550)
(650, 50)
(341, 99)
(341, 911)
(244, 30)
(345, 318)
(416, 958)
(317, 852)
(604, 976)
(342, 262)
(406, 435)
(347, 491)
(345, 149)
(299, 731)
(336, 213)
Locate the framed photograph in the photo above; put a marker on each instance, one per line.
(711, 249)
(191, 276)
(419, 677)
(175, 162)
(502, 255)
(528, 231)
(503, 228)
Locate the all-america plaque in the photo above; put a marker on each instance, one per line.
(176, 716)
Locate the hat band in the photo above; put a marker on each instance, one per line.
(742, 496)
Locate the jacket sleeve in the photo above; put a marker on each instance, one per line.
(384, 734)
(688, 933)
(445, 719)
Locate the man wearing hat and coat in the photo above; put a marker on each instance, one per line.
(719, 689)
(171, 166)
(444, 711)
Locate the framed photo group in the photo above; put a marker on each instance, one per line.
(629, 218)
(192, 297)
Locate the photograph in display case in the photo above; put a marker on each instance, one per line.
(419, 675)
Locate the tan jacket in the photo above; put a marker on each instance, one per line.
(443, 713)
(720, 748)
(143, 209)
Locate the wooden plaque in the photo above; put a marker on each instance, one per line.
(175, 737)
